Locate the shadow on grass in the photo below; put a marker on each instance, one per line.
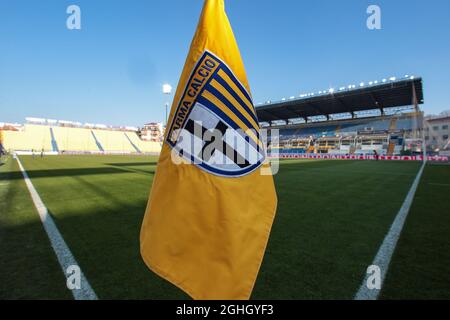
(134, 170)
(69, 172)
(28, 267)
(105, 243)
(131, 164)
(102, 235)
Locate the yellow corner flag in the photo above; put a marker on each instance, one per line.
(212, 202)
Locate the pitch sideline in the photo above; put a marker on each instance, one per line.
(62, 251)
(387, 248)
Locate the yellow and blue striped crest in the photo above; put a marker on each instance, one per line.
(215, 125)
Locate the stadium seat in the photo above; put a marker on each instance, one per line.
(72, 139)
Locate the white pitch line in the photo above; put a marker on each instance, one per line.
(59, 246)
(384, 254)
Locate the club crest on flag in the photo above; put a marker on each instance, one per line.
(214, 125)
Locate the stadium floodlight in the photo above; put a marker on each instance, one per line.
(331, 90)
(392, 78)
(376, 81)
(167, 89)
(384, 80)
(412, 77)
(370, 83)
(361, 84)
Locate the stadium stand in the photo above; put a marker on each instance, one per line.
(31, 137)
(386, 134)
(68, 139)
(383, 117)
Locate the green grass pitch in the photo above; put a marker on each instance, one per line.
(332, 216)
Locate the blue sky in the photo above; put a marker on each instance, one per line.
(111, 71)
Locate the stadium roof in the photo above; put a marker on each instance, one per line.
(386, 94)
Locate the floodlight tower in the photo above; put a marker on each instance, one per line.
(167, 90)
